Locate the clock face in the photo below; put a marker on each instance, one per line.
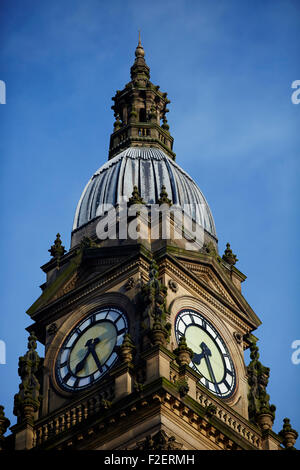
(89, 351)
(211, 357)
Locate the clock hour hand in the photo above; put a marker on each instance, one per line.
(90, 344)
(206, 352)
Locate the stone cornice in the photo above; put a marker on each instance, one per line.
(111, 276)
(66, 429)
(196, 285)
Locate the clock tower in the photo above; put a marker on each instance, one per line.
(143, 321)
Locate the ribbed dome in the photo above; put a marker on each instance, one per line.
(149, 169)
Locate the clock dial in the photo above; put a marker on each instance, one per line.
(89, 351)
(211, 357)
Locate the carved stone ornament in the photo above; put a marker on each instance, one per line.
(173, 285)
(4, 424)
(127, 349)
(27, 401)
(229, 256)
(288, 434)
(154, 295)
(130, 283)
(183, 387)
(159, 441)
(164, 197)
(260, 410)
(183, 353)
(57, 250)
(238, 337)
(52, 329)
(136, 197)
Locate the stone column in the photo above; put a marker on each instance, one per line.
(157, 363)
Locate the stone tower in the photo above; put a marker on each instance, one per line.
(144, 324)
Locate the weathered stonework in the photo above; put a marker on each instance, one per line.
(151, 398)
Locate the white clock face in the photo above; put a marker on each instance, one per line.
(89, 351)
(211, 357)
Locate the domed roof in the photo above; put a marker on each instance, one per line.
(149, 169)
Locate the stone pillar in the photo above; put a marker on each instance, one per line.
(24, 436)
(189, 376)
(4, 424)
(123, 381)
(157, 363)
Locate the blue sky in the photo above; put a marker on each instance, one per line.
(228, 67)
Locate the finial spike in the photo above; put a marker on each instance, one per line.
(140, 38)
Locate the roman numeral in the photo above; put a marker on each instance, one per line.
(183, 321)
(66, 377)
(226, 384)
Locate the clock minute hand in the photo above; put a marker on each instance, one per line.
(210, 369)
(205, 354)
(96, 358)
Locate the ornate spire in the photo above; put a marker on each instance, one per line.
(4, 424)
(27, 401)
(136, 197)
(183, 352)
(140, 112)
(154, 295)
(164, 197)
(127, 349)
(139, 49)
(260, 410)
(229, 256)
(57, 250)
(288, 435)
(140, 72)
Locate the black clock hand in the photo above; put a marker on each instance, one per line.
(80, 364)
(210, 370)
(205, 351)
(90, 344)
(96, 359)
(197, 358)
(205, 354)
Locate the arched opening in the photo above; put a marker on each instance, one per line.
(142, 115)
